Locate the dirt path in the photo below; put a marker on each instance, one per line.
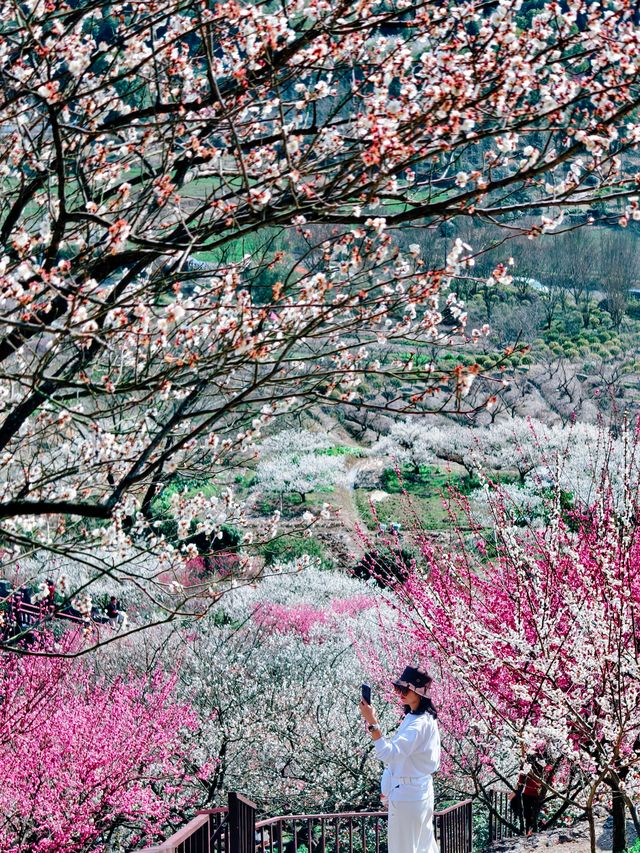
(345, 530)
(343, 497)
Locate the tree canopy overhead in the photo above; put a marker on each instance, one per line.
(200, 214)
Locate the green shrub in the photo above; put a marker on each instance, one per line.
(386, 565)
(341, 450)
(633, 309)
(187, 487)
(245, 480)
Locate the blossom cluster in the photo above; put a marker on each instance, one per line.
(275, 678)
(87, 758)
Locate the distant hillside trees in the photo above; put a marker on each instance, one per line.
(576, 458)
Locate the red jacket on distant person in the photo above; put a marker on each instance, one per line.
(532, 784)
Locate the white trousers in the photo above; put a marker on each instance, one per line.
(411, 827)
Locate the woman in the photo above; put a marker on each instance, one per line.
(411, 756)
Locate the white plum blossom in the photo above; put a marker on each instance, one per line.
(576, 458)
(296, 461)
(274, 674)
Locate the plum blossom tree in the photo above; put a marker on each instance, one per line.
(408, 443)
(539, 641)
(278, 148)
(588, 459)
(89, 762)
(576, 458)
(517, 444)
(293, 462)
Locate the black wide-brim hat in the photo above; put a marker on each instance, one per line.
(415, 679)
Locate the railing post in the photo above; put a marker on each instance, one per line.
(491, 838)
(470, 827)
(242, 824)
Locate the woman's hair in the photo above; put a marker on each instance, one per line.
(426, 706)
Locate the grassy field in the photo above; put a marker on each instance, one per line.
(414, 498)
(416, 512)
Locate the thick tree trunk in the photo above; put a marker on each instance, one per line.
(592, 829)
(618, 812)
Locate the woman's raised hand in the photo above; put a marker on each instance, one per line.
(368, 713)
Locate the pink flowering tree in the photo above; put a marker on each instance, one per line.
(88, 761)
(200, 223)
(535, 633)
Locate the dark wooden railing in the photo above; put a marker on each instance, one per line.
(236, 830)
(206, 833)
(503, 823)
(241, 824)
(36, 614)
(22, 621)
(454, 828)
(337, 832)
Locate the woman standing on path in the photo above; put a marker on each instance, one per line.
(411, 756)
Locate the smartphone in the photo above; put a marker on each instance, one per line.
(366, 693)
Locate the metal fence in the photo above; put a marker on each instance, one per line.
(454, 828)
(503, 823)
(236, 830)
(343, 832)
(206, 833)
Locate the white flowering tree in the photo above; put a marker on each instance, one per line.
(416, 443)
(576, 457)
(517, 444)
(407, 443)
(297, 462)
(197, 219)
(578, 460)
(275, 679)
